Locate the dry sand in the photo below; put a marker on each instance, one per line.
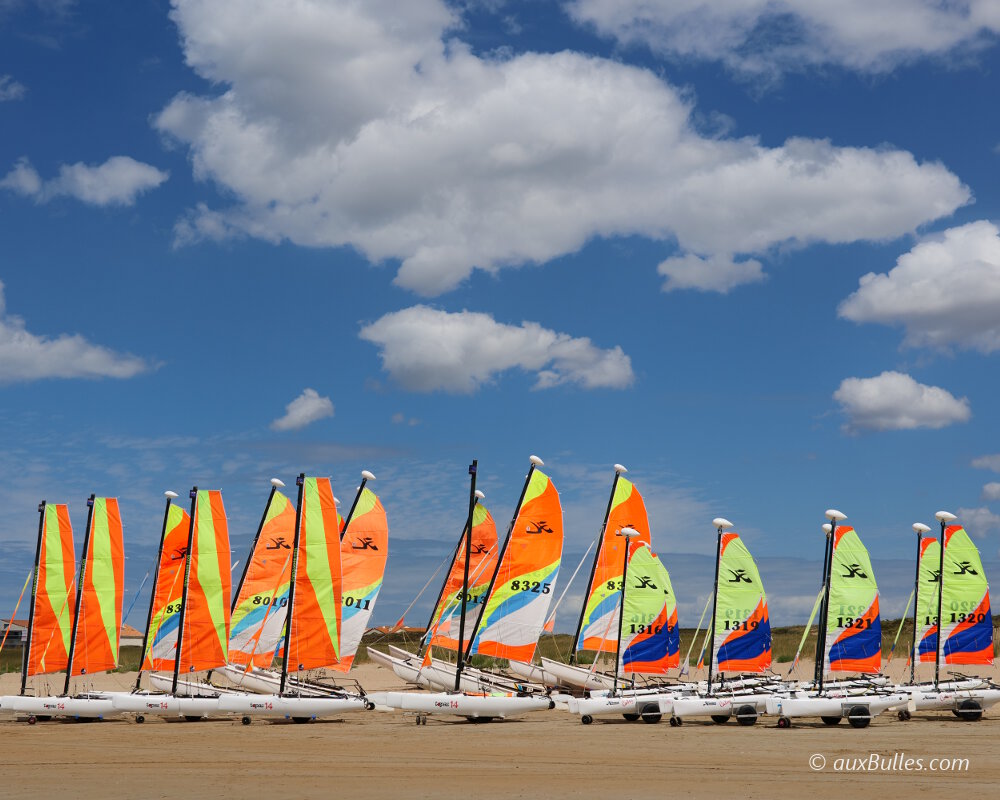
(547, 754)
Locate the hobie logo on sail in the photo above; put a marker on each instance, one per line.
(964, 568)
(540, 527)
(366, 543)
(278, 543)
(854, 571)
(179, 554)
(645, 582)
(739, 576)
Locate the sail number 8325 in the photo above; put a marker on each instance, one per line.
(531, 586)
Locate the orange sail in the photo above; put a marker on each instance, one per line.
(205, 635)
(53, 594)
(363, 553)
(99, 619)
(314, 628)
(161, 637)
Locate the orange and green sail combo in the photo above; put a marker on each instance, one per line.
(53, 594)
(650, 640)
(314, 628)
(599, 624)
(165, 608)
(363, 553)
(259, 612)
(205, 637)
(966, 620)
(854, 627)
(928, 585)
(444, 622)
(525, 579)
(99, 621)
(742, 634)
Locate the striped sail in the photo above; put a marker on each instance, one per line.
(742, 637)
(446, 619)
(967, 623)
(928, 584)
(515, 610)
(314, 631)
(854, 627)
(259, 613)
(650, 639)
(161, 646)
(599, 630)
(53, 594)
(103, 570)
(205, 642)
(363, 553)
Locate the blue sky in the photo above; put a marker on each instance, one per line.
(748, 249)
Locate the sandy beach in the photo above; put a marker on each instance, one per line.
(549, 754)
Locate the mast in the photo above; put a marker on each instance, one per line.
(152, 597)
(920, 529)
(184, 594)
(834, 516)
(619, 469)
(944, 517)
(720, 524)
(79, 592)
(535, 462)
(628, 533)
(365, 477)
(300, 482)
(473, 468)
(275, 485)
(425, 642)
(34, 597)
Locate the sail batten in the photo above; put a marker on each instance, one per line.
(854, 626)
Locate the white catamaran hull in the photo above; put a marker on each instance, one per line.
(264, 681)
(297, 708)
(462, 705)
(582, 677)
(93, 707)
(971, 701)
(185, 688)
(745, 708)
(649, 706)
(166, 705)
(858, 709)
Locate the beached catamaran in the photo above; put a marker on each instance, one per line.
(950, 585)
(75, 629)
(187, 633)
(313, 614)
(849, 640)
(516, 605)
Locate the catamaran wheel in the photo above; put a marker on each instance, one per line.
(784, 722)
(32, 719)
(720, 719)
(245, 720)
(586, 719)
(632, 717)
(369, 705)
(859, 717)
(903, 715)
(746, 715)
(831, 720)
(651, 714)
(970, 710)
(139, 718)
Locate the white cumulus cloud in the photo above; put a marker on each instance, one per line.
(773, 36)
(11, 89)
(25, 356)
(895, 401)
(990, 462)
(944, 292)
(714, 274)
(991, 491)
(305, 409)
(118, 181)
(978, 521)
(426, 350)
(373, 125)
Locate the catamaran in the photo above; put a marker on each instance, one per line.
(849, 640)
(74, 630)
(189, 613)
(313, 614)
(514, 611)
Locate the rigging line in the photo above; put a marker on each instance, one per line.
(805, 632)
(415, 599)
(694, 637)
(138, 592)
(17, 606)
(901, 621)
(555, 608)
(263, 623)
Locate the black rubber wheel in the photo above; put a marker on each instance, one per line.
(903, 715)
(32, 719)
(586, 719)
(784, 722)
(139, 718)
(720, 719)
(746, 715)
(673, 722)
(831, 720)
(632, 717)
(245, 720)
(301, 720)
(651, 714)
(859, 717)
(970, 710)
